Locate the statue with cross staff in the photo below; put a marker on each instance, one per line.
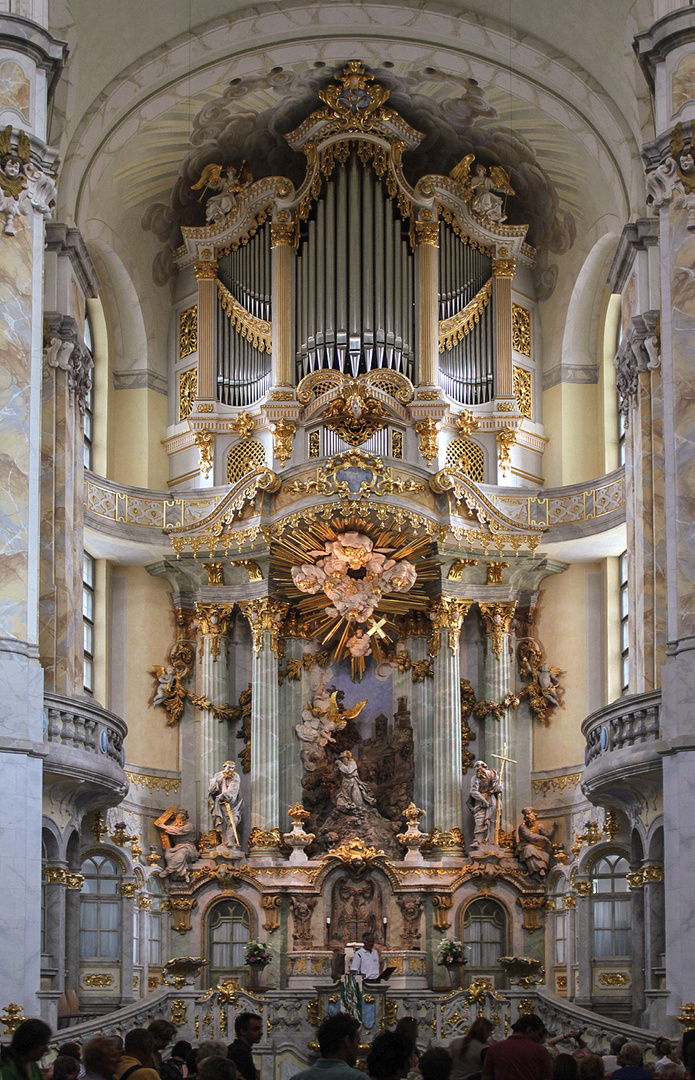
(503, 759)
(483, 802)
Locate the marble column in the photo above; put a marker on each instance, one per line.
(499, 681)
(56, 936)
(265, 619)
(442, 727)
(31, 58)
(292, 697)
(665, 53)
(420, 697)
(282, 234)
(427, 239)
(212, 737)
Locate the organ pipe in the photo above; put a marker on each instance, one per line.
(242, 370)
(466, 370)
(360, 313)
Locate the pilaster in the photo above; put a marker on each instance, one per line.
(499, 681)
(212, 740)
(427, 239)
(283, 235)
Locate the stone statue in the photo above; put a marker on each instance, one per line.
(534, 848)
(302, 910)
(482, 802)
(322, 717)
(411, 909)
(229, 182)
(486, 201)
(352, 794)
(226, 803)
(178, 842)
(548, 683)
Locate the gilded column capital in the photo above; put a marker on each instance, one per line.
(55, 875)
(427, 232)
(266, 614)
(447, 613)
(504, 268)
(497, 621)
(283, 232)
(205, 270)
(213, 623)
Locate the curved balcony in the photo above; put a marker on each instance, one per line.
(623, 744)
(85, 752)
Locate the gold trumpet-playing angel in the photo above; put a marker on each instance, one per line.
(228, 181)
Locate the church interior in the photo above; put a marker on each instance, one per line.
(346, 502)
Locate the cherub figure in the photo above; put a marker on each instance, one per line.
(13, 178)
(229, 182)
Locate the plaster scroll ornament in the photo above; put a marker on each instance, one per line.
(178, 842)
(675, 174)
(21, 183)
(482, 800)
(226, 804)
(228, 182)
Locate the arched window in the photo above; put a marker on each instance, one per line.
(228, 931)
(485, 935)
(611, 907)
(100, 908)
(154, 934)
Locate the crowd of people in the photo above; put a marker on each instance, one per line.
(527, 1054)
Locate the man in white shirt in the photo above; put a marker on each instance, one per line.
(366, 960)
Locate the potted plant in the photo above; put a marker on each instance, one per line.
(257, 954)
(451, 955)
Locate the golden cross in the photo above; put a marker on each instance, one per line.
(504, 759)
(376, 628)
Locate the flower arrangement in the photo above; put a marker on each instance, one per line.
(257, 952)
(451, 951)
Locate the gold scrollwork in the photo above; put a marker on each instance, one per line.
(98, 980)
(271, 905)
(504, 268)
(521, 330)
(188, 332)
(354, 414)
(205, 270)
(283, 434)
(205, 441)
(379, 480)
(213, 623)
(54, 875)
(428, 432)
(355, 854)
(452, 330)
(188, 388)
(447, 613)
(74, 881)
(258, 332)
(178, 1012)
(521, 384)
(613, 978)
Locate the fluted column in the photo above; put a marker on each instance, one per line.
(292, 697)
(282, 237)
(427, 239)
(265, 619)
(212, 738)
(499, 681)
(206, 276)
(421, 694)
(503, 271)
(443, 736)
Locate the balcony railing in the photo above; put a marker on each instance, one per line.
(628, 722)
(86, 743)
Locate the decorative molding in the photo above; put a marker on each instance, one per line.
(205, 441)
(140, 380)
(258, 332)
(453, 329)
(98, 980)
(521, 330)
(522, 382)
(556, 783)
(638, 353)
(66, 351)
(188, 388)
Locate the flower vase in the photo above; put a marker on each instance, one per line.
(455, 974)
(256, 976)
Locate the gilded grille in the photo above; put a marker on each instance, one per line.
(469, 457)
(243, 453)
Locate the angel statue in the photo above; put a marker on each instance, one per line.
(229, 182)
(13, 179)
(482, 189)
